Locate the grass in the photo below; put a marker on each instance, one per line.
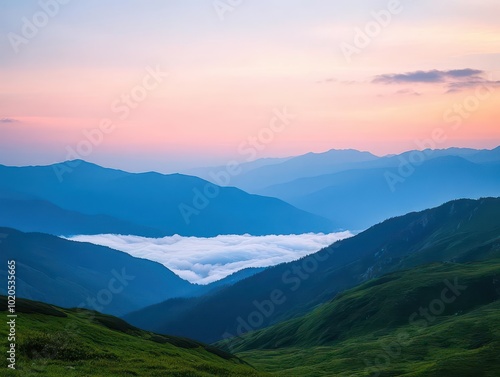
(366, 330)
(465, 346)
(61, 342)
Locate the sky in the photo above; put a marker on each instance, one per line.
(169, 85)
(188, 256)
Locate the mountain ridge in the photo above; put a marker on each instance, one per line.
(72, 274)
(173, 204)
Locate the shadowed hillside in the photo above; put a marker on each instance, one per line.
(460, 231)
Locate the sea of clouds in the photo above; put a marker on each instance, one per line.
(205, 260)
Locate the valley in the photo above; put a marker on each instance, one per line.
(233, 188)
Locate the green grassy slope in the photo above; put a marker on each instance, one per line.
(378, 329)
(70, 342)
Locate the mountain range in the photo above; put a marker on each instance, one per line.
(458, 231)
(89, 199)
(315, 192)
(357, 189)
(357, 198)
(256, 176)
(338, 311)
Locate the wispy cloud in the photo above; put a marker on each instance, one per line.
(459, 86)
(8, 120)
(454, 80)
(205, 260)
(433, 76)
(327, 81)
(409, 92)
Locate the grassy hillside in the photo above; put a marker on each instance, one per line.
(60, 342)
(378, 329)
(363, 332)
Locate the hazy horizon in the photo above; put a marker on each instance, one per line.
(183, 168)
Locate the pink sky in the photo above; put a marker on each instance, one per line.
(226, 77)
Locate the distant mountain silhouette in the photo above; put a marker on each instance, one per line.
(45, 217)
(307, 165)
(357, 198)
(210, 173)
(257, 179)
(156, 203)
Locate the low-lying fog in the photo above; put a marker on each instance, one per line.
(205, 260)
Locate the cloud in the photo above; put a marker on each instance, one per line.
(459, 86)
(454, 80)
(409, 92)
(205, 260)
(8, 120)
(326, 81)
(332, 80)
(433, 76)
